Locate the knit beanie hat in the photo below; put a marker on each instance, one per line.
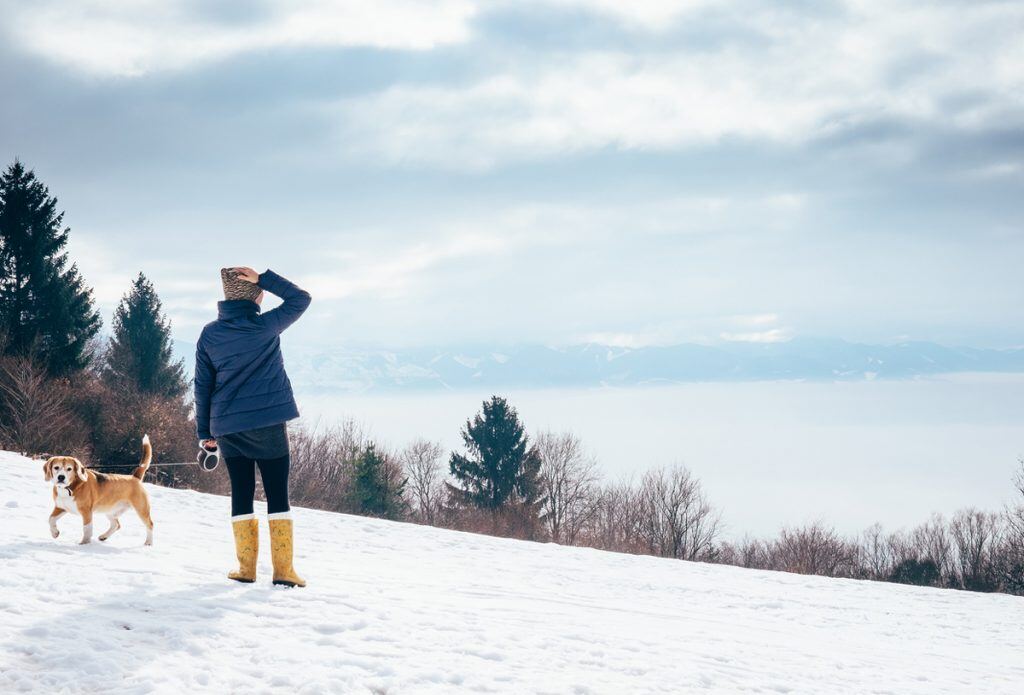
(237, 288)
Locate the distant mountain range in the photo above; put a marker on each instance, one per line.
(534, 366)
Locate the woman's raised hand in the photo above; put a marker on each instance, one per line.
(247, 274)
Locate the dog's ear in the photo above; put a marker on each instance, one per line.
(79, 470)
(48, 470)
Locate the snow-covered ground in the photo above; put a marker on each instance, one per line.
(396, 608)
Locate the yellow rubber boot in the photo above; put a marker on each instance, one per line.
(247, 548)
(281, 552)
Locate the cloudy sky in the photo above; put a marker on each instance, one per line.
(552, 171)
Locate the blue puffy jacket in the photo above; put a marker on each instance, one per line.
(240, 379)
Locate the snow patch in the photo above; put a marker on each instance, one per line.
(400, 608)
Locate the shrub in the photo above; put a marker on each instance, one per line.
(36, 416)
(918, 572)
(812, 549)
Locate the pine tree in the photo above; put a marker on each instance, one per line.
(378, 487)
(500, 471)
(139, 355)
(45, 308)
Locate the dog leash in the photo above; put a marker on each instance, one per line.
(207, 459)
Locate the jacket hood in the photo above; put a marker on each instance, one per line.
(234, 308)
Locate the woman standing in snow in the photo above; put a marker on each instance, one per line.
(243, 402)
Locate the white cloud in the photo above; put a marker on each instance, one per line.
(129, 38)
(397, 271)
(810, 77)
(755, 328)
(995, 171)
(648, 14)
(391, 274)
(757, 319)
(775, 335)
(188, 290)
(695, 328)
(786, 202)
(593, 101)
(621, 340)
(806, 74)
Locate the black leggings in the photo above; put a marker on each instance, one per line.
(274, 473)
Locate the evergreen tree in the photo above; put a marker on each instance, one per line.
(378, 487)
(499, 470)
(45, 308)
(139, 355)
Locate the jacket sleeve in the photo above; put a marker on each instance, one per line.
(204, 382)
(296, 301)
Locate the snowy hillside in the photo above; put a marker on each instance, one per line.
(395, 608)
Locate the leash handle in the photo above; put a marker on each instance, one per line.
(208, 459)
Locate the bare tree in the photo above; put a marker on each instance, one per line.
(975, 550)
(615, 523)
(1011, 567)
(1015, 512)
(322, 464)
(900, 547)
(977, 537)
(569, 480)
(931, 541)
(676, 518)
(875, 559)
(422, 462)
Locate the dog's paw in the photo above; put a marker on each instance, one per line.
(54, 532)
(84, 541)
(103, 538)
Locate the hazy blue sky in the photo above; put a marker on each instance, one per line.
(555, 171)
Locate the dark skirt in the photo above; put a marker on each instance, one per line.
(259, 444)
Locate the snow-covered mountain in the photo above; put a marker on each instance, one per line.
(397, 608)
(346, 369)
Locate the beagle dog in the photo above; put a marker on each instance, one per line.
(81, 491)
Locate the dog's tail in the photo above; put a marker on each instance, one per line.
(147, 456)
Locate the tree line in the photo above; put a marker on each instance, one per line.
(64, 389)
(554, 492)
